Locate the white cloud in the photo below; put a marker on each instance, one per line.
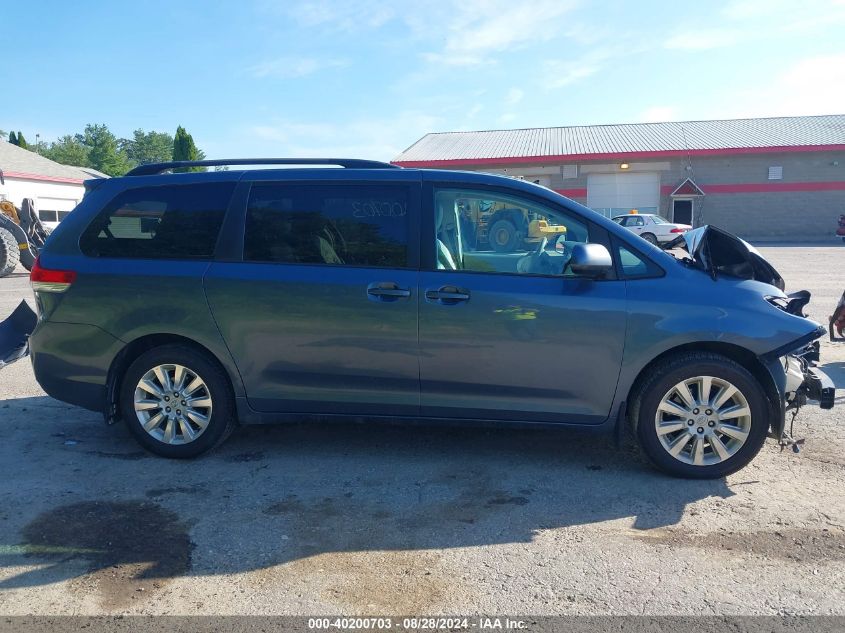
(293, 67)
(703, 39)
(757, 9)
(658, 114)
(558, 74)
(379, 139)
(349, 15)
(814, 85)
(478, 29)
(514, 96)
(744, 21)
(455, 59)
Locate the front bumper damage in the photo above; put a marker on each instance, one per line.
(804, 383)
(14, 334)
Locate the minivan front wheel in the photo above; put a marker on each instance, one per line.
(701, 415)
(177, 402)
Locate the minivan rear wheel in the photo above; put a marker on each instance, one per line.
(177, 402)
(700, 415)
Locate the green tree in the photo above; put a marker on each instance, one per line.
(22, 141)
(13, 138)
(185, 149)
(68, 150)
(148, 147)
(103, 151)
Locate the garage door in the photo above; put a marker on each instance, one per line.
(615, 194)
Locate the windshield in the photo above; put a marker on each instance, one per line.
(660, 220)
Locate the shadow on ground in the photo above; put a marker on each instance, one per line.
(836, 372)
(274, 495)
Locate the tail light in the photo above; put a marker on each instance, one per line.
(47, 280)
(678, 231)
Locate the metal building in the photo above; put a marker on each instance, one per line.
(770, 178)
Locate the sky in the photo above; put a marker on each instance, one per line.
(367, 78)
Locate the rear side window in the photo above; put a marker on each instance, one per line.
(169, 222)
(353, 225)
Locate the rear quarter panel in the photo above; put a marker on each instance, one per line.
(132, 298)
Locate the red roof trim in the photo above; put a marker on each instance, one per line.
(569, 158)
(762, 187)
(25, 176)
(752, 187)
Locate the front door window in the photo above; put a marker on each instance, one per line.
(481, 231)
(506, 330)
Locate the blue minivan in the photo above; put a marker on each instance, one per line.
(187, 303)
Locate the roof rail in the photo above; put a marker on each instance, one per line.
(349, 163)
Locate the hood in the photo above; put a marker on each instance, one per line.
(721, 253)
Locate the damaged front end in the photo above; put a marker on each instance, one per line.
(793, 365)
(803, 380)
(718, 252)
(804, 383)
(14, 334)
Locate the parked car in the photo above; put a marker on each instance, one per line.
(186, 303)
(652, 228)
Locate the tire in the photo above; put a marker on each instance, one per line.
(10, 254)
(28, 259)
(220, 412)
(503, 236)
(735, 453)
(650, 238)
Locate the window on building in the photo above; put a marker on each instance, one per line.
(567, 172)
(776, 173)
(354, 225)
(171, 222)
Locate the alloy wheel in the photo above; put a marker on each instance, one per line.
(703, 420)
(173, 404)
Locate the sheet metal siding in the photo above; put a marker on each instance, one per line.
(631, 137)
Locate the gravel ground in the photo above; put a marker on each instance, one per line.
(365, 519)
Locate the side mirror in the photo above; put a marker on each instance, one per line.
(590, 260)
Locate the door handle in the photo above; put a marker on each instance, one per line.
(386, 291)
(447, 295)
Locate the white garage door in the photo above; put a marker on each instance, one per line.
(616, 194)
